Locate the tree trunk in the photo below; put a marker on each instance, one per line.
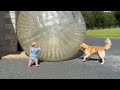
(114, 26)
(103, 27)
(119, 25)
(92, 28)
(97, 27)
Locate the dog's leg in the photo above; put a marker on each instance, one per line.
(102, 55)
(102, 60)
(99, 58)
(87, 56)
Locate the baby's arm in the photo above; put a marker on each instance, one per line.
(38, 49)
(37, 46)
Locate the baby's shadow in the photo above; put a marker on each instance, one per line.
(40, 61)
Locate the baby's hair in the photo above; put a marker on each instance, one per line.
(33, 44)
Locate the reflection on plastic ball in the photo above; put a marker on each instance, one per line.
(58, 33)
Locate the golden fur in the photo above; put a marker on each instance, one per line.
(89, 50)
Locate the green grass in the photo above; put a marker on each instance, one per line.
(114, 32)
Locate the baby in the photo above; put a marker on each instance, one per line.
(33, 54)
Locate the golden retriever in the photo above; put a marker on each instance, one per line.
(89, 50)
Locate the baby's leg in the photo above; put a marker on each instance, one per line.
(36, 62)
(29, 63)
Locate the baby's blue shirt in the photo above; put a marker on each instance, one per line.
(34, 51)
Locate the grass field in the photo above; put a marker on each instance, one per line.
(114, 32)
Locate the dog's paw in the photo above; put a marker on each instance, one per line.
(102, 63)
(83, 60)
(97, 61)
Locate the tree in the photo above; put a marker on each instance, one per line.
(117, 17)
(98, 17)
(109, 19)
(89, 19)
(101, 19)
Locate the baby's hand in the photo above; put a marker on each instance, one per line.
(38, 46)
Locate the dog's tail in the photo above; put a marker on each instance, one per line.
(107, 44)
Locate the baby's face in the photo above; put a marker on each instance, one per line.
(35, 45)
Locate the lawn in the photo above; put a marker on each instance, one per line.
(114, 32)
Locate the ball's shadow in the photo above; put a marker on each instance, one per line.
(77, 55)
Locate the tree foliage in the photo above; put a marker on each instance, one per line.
(100, 19)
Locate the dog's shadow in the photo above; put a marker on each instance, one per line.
(91, 59)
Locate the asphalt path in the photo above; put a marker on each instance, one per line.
(71, 69)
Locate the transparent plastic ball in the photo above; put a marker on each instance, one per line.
(58, 33)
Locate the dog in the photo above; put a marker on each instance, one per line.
(90, 50)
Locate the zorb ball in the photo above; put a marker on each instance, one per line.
(58, 33)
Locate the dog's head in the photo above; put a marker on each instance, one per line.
(83, 46)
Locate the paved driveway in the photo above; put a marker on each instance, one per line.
(72, 69)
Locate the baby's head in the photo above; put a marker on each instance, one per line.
(34, 44)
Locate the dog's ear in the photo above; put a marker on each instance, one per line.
(80, 45)
(83, 45)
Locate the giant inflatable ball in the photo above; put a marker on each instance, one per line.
(58, 33)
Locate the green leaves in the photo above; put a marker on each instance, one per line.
(100, 19)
